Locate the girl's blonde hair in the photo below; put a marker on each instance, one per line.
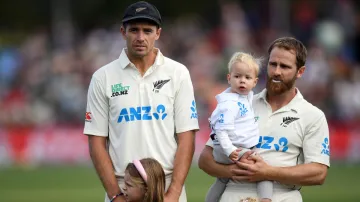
(155, 185)
(247, 59)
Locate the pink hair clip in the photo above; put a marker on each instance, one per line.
(141, 169)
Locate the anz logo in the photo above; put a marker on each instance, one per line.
(194, 114)
(269, 142)
(325, 147)
(142, 113)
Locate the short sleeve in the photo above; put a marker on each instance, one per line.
(97, 110)
(316, 144)
(186, 117)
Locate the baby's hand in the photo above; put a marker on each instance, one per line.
(234, 155)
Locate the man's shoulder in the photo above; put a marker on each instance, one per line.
(258, 96)
(175, 65)
(106, 69)
(309, 110)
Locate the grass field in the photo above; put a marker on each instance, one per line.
(80, 184)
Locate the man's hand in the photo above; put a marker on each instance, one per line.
(251, 172)
(246, 158)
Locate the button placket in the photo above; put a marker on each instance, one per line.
(149, 71)
(141, 91)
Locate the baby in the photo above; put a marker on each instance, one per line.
(233, 124)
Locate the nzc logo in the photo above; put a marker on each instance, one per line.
(142, 113)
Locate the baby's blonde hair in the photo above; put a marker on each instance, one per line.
(247, 59)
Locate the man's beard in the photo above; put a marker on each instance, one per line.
(281, 87)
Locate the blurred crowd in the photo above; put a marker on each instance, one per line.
(42, 84)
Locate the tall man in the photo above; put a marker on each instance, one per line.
(141, 105)
(294, 136)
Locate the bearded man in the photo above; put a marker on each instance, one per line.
(293, 148)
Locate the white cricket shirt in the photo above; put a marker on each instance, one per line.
(297, 133)
(233, 122)
(140, 115)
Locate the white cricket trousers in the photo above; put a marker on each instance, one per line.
(167, 180)
(240, 191)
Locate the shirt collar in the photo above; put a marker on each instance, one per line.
(227, 95)
(125, 62)
(291, 105)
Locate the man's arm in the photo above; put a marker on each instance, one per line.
(211, 167)
(103, 166)
(186, 123)
(183, 158)
(304, 174)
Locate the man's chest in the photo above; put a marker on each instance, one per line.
(134, 98)
(280, 132)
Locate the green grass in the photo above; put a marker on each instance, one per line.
(80, 184)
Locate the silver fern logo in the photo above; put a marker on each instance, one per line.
(288, 120)
(159, 84)
(140, 9)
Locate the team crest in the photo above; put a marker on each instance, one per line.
(159, 84)
(287, 121)
(140, 9)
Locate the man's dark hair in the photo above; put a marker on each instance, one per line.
(289, 43)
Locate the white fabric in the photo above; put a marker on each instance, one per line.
(295, 141)
(240, 192)
(141, 114)
(233, 122)
(220, 157)
(223, 137)
(295, 134)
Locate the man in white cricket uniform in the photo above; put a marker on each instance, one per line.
(294, 135)
(141, 105)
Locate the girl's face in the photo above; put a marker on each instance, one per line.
(133, 192)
